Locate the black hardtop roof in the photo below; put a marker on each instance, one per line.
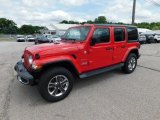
(115, 25)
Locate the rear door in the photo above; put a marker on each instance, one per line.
(120, 47)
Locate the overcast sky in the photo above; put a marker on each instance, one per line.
(44, 12)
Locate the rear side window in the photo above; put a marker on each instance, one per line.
(119, 34)
(101, 35)
(132, 34)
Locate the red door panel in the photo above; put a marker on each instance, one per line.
(119, 45)
(101, 54)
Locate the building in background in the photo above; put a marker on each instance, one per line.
(58, 29)
(143, 30)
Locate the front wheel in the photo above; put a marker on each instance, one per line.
(56, 84)
(130, 64)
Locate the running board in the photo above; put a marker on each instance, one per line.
(99, 71)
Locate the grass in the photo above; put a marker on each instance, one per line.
(7, 39)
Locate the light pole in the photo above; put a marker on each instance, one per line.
(133, 12)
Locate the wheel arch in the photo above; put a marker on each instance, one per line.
(64, 63)
(135, 51)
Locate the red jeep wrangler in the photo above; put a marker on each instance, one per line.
(84, 51)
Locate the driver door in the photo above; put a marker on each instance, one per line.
(101, 50)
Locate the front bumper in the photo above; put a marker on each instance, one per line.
(31, 40)
(21, 40)
(23, 75)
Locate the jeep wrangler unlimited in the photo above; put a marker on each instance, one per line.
(84, 51)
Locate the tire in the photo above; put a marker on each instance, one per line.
(155, 41)
(128, 64)
(51, 87)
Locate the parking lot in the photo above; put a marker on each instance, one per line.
(109, 96)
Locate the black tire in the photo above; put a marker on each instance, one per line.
(48, 76)
(155, 41)
(126, 68)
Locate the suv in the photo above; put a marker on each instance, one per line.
(157, 38)
(149, 38)
(142, 39)
(84, 51)
(20, 38)
(30, 38)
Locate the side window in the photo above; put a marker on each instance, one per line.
(132, 34)
(119, 34)
(101, 35)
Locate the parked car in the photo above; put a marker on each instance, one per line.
(20, 38)
(157, 38)
(142, 39)
(149, 38)
(54, 38)
(47, 39)
(42, 39)
(30, 38)
(84, 51)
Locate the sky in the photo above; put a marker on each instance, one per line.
(45, 12)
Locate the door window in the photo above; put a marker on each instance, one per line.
(101, 35)
(132, 34)
(119, 34)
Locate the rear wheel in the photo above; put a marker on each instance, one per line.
(56, 84)
(130, 64)
(155, 41)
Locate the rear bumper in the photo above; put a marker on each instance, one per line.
(23, 75)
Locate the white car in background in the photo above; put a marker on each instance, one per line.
(30, 38)
(20, 38)
(142, 38)
(157, 38)
(54, 38)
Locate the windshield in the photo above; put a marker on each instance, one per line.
(20, 36)
(30, 36)
(77, 33)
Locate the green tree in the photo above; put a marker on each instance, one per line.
(69, 22)
(64, 21)
(101, 20)
(90, 22)
(8, 26)
(29, 29)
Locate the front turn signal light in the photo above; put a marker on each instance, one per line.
(36, 67)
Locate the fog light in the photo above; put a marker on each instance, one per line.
(36, 67)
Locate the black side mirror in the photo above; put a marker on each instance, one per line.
(93, 42)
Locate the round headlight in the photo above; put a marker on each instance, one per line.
(30, 60)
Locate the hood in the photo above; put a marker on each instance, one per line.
(53, 49)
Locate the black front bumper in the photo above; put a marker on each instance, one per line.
(31, 40)
(23, 75)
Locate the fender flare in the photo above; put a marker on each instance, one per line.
(134, 50)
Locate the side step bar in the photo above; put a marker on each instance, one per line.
(99, 71)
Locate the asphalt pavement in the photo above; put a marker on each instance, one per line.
(109, 96)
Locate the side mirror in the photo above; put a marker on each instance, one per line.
(93, 42)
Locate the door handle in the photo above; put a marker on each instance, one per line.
(123, 46)
(109, 48)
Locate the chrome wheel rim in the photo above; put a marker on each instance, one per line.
(132, 64)
(58, 85)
